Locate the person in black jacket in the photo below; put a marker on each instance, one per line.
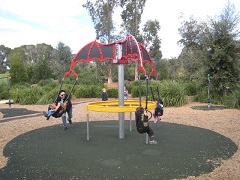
(142, 124)
(62, 96)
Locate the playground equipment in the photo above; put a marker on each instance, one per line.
(120, 53)
(112, 106)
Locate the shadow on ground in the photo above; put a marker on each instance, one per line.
(206, 108)
(51, 153)
(16, 112)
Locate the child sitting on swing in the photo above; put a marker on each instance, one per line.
(53, 108)
(158, 110)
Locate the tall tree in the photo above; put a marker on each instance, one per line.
(61, 61)
(151, 38)
(131, 16)
(221, 43)
(102, 16)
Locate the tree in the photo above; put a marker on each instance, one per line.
(4, 52)
(17, 69)
(221, 43)
(61, 60)
(131, 17)
(102, 16)
(151, 38)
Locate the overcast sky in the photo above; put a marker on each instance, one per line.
(25, 22)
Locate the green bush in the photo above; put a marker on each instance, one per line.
(48, 97)
(26, 95)
(191, 88)
(112, 93)
(233, 100)
(172, 93)
(88, 91)
(4, 90)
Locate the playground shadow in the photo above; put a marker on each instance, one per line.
(206, 108)
(51, 153)
(13, 112)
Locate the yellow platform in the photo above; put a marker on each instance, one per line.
(112, 106)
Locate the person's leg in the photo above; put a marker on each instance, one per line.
(151, 136)
(70, 115)
(64, 121)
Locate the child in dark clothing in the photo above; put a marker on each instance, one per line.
(158, 110)
(143, 125)
(52, 109)
(104, 95)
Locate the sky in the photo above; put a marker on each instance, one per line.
(31, 22)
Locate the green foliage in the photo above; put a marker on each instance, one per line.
(17, 70)
(112, 93)
(88, 91)
(191, 88)
(202, 96)
(171, 92)
(48, 97)
(4, 90)
(233, 100)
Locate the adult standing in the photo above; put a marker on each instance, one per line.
(63, 97)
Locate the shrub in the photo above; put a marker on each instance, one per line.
(112, 93)
(233, 100)
(191, 88)
(26, 95)
(172, 93)
(4, 90)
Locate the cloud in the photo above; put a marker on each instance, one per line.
(42, 21)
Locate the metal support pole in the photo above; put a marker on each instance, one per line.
(87, 126)
(147, 139)
(130, 121)
(121, 99)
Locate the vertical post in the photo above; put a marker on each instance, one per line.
(209, 101)
(130, 121)
(147, 138)
(87, 126)
(120, 93)
(121, 99)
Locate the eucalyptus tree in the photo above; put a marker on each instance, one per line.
(101, 13)
(151, 38)
(61, 59)
(193, 53)
(131, 16)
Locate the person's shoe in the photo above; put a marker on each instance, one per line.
(153, 142)
(47, 117)
(156, 120)
(70, 121)
(65, 128)
(45, 114)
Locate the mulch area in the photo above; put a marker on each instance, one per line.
(194, 142)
